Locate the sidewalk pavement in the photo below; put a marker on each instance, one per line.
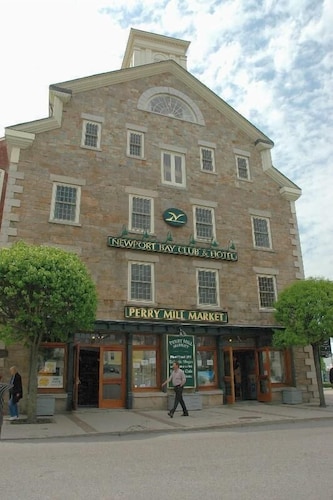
(94, 421)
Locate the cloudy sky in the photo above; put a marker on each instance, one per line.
(271, 60)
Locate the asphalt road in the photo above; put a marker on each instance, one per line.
(249, 463)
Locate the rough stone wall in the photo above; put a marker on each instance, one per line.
(305, 373)
(109, 177)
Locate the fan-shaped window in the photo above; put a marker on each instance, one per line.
(171, 102)
(169, 105)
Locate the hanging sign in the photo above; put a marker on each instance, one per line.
(181, 348)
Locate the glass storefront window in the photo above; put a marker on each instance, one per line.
(51, 366)
(100, 337)
(206, 368)
(144, 340)
(278, 367)
(205, 341)
(144, 369)
(145, 360)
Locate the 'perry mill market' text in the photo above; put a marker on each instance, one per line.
(175, 314)
(175, 249)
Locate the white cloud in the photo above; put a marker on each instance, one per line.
(272, 61)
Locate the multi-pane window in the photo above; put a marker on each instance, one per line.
(204, 223)
(141, 214)
(243, 171)
(206, 362)
(207, 287)
(207, 159)
(173, 168)
(279, 366)
(144, 363)
(65, 203)
(261, 233)
(141, 281)
(51, 366)
(267, 293)
(172, 107)
(135, 144)
(91, 135)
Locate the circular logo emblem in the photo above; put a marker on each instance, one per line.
(174, 217)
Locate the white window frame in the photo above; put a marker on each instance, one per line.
(152, 282)
(172, 181)
(254, 233)
(212, 211)
(217, 291)
(246, 159)
(150, 230)
(54, 200)
(142, 142)
(202, 159)
(84, 134)
(262, 306)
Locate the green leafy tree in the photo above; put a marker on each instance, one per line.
(305, 310)
(46, 294)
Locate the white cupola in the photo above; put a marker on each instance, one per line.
(145, 48)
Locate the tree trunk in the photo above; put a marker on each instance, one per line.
(32, 385)
(316, 357)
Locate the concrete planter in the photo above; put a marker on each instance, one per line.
(192, 401)
(45, 405)
(291, 396)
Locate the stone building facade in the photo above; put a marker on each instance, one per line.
(170, 198)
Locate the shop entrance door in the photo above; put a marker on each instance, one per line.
(112, 375)
(86, 376)
(263, 370)
(229, 385)
(247, 374)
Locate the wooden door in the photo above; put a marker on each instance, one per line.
(263, 373)
(112, 377)
(229, 383)
(76, 380)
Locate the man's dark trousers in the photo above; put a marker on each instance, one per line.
(179, 399)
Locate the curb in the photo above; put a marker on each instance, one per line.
(201, 428)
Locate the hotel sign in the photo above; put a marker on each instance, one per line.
(151, 313)
(172, 248)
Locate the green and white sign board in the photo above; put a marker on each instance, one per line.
(181, 348)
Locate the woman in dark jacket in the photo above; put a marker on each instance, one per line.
(15, 392)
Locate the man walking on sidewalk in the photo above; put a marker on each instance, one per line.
(178, 381)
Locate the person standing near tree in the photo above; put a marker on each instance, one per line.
(3, 389)
(15, 392)
(178, 380)
(331, 377)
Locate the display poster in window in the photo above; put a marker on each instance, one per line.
(181, 348)
(50, 381)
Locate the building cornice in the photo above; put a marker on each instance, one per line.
(289, 189)
(57, 99)
(18, 138)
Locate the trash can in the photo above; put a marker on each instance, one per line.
(291, 396)
(45, 405)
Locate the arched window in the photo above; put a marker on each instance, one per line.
(170, 102)
(169, 105)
